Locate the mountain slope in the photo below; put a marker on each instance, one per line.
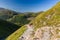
(46, 25)
(21, 30)
(50, 17)
(24, 18)
(6, 28)
(19, 19)
(17, 33)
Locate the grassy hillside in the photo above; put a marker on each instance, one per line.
(17, 33)
(6, 28)
(51, 17)
(19, 19)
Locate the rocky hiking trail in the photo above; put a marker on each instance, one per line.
(27, 33)
(43, 33)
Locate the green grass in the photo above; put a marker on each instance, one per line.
(16, 34)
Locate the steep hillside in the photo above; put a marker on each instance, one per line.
(17, 33)
(6, 28)
(50, 17)
(46, 26)
(20, 19)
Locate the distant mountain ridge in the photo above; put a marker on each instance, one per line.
(16, 17)
(6, 14)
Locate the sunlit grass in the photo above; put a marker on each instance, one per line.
(16, 34)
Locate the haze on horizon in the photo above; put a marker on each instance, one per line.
(28, 5)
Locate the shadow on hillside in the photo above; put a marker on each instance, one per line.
(7, 28)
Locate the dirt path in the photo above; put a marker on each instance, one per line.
(43, 33)
(27, 33)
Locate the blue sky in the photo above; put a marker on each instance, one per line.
(28, 5)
